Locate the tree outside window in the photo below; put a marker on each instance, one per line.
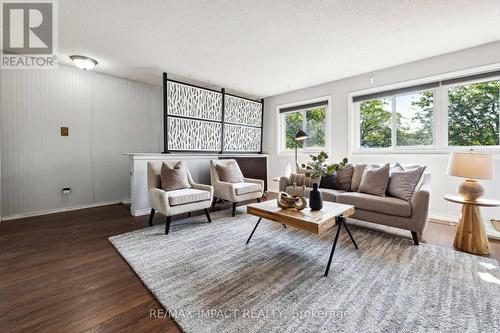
(312, 121)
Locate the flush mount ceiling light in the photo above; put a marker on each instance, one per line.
(83, 62)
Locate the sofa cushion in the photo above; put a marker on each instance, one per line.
(402, 184)
(329, 182)
(328, 194)
(373, 203)
(174, 178)
(375, 180)
(344, 177)
(243, 188)
(187, 195)
(229, 172)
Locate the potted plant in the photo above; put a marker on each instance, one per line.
(315, 169)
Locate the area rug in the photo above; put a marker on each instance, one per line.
(209, 280)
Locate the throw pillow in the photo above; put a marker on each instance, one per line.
(329, 182)
(344, 177)
(300, 179)
(402, 184)
(375, 180)
(395, 167)
(229, 172)
(356, 176)
(174, 178)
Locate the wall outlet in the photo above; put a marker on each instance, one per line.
(66, 190)
(64, 131)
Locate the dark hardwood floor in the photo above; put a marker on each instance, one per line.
(59, 273)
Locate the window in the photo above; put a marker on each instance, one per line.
(312, 118)
(400, 121)
(459, 112)
(473, 114)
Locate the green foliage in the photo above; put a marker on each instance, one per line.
(423, 115)
(473, 118)
(473, 114)
(375, 124)
(317, 167)
(313, 125)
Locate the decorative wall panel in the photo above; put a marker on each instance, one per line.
(242, 111)
(192, 134)
(200, 119)
(242, 138)
(192, 102)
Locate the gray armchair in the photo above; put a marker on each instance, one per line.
(170, 203)
(249, 189)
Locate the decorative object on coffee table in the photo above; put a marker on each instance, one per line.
(472, 166)
(313, 221)
(471, 236)
(300, 136)
(315, 198)
(287, 201)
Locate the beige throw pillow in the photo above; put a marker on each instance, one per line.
(174, 178)
(402, 184)
(229, 172)
(344, 177)
(375, 180)
(357, 174)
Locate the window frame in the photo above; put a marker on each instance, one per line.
(280, 127)
(440, 128)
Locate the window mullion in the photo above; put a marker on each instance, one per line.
(394, 129)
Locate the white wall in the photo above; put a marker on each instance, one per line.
(339, 90)
(106, 116)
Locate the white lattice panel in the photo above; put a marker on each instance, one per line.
(242, 111)
(191, 134)
(192, 102)
(241, 138)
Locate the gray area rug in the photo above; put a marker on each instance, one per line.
(210, 281)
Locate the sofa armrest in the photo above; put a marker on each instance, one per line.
(204, 187)
(420, 206)
(159, 200)
(283, 183)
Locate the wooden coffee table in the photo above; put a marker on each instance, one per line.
(313, 221)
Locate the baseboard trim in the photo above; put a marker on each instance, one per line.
(61, 210)
(140, 212)
(443, 219)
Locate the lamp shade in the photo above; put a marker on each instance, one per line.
(471, 165)
(301, 135)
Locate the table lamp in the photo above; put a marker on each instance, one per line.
(300, 136)
(472, 166)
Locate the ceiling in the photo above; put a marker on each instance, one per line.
(266, 47)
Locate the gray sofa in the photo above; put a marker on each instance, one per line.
(394, 212)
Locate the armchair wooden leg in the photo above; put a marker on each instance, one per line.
(168, 219)
(208, 215)
(234, 208)
(151, 215)
(214, 201)
(414, 234)
(258, 199)
(189, 214)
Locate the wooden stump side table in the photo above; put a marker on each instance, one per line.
(471, 236)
